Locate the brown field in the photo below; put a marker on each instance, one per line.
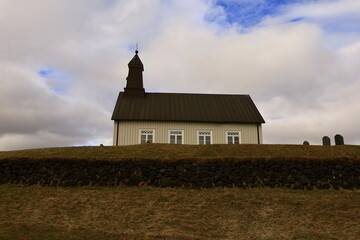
(176, 213)
(34, 212)
(166, 151)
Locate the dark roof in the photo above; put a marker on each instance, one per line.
(187, 107)
(136, 62)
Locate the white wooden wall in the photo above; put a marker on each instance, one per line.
(128, 131)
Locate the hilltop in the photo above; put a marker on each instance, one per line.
(166, 151)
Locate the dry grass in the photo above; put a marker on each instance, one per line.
(176, 213)
(166, 151)
(32, 212)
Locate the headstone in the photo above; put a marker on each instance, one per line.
(306, 143)
(326, 141)
(339, 140)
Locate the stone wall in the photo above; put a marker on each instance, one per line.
(274, 172)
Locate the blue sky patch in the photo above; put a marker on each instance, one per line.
(251, 12)
(297, 19)
(56, 81)
(51, 73)
(45, 73)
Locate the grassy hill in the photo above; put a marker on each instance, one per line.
(167, 151)
(143, 212)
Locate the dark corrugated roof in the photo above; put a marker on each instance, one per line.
(187, 107)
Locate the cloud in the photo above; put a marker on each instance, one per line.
(296, 81)
(333, 16)
(31, 109)
(64, 62)
(266, 62)
(325, 9)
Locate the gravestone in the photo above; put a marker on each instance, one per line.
(326, 141)
(339, 140)
(306, 143)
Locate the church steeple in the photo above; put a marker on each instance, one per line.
(134, 84)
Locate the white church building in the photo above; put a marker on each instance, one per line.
(182, 118)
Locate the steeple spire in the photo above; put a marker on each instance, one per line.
(134, 84)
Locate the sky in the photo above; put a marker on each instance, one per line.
(63, 63)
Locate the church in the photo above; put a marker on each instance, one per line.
(182, 118)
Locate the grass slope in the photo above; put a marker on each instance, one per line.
(33, 212)
(188, 151)
(30, 213)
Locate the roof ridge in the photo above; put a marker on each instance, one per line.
(221, 94)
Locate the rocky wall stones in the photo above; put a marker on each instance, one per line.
(288, 173)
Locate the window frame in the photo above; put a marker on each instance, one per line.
(198, 136)
(232, 131)
(182, 136)
(153, 135)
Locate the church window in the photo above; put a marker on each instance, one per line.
(204, 137)
(176, 136)
(233, 137)
(147, 135)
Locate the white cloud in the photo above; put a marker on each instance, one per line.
(267, 62)
(339, 16)
(29, 107)
(288, 71)
(303, 88)
(325, 9)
